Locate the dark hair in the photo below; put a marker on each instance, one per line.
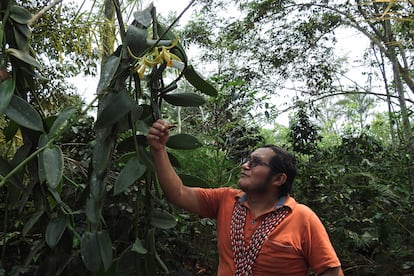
(283, 162)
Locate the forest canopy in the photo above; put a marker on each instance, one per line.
(78, 191)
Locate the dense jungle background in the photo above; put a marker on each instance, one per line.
(78, 192)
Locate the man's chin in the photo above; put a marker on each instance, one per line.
(241, 186)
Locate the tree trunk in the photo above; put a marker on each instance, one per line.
(407, 136)
(381, 65)
(108, 31)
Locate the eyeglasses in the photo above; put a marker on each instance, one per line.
(254, 162)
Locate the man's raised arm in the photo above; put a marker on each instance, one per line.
(176, 193)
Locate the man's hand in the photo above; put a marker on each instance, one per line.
(158, 135)
(178, 194)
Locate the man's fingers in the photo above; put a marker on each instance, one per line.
(158, 130)
(160, 125)
(152, 136)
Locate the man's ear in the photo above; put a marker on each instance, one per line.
(279, 179)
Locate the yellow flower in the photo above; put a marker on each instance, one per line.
(157, 56)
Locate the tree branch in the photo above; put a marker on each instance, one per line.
(380, 44)
(38, 15)
(339, 93)
(120, 20)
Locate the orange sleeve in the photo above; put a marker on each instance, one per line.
(319, 251)
(209, 201)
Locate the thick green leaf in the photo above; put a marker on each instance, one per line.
(132, 171)
(20, 14)
(125, 157)
(142, 125)
(23, 57)
(23, 29)
(183, 141)
(41, 168)
(23, 114)
(162, 42)
(102, 150)
(199, 82)
(132, 117)
(43, 139)
(6, 93)
(120, 105)
(184, 99)
(11, 131)
(128, 143)
(136, 40)
(145, 158)
(48, 122)
(193, 181)
(138, 247)
(162, 219)
(108, 72)
(55, 229)
(105, 248)
(144, 17)
(61, 121)
(174, 161)
(51, 162)
(89, 251)
(21, 40)
(32, 221)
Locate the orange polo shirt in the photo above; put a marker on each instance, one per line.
(299, 243)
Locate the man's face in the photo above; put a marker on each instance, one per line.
(255, 174)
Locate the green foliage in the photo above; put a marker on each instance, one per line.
(303, 133)
(360, 189)
(183, 141)
(23, 114)
(63, 203)
(6, 93)
(51, 166)
(217, 170)
(54, 230)
(199, 82)
(117, 106)
(184, 99)
(80, 196)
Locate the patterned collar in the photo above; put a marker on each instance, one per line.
(242, 197)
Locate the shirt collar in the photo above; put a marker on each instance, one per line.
(283, 201)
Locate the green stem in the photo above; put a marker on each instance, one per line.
(3, 57)
(51, 140)
(23, 163)
(77, 186)
(74, 232)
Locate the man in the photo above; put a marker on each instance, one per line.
(261, 230)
